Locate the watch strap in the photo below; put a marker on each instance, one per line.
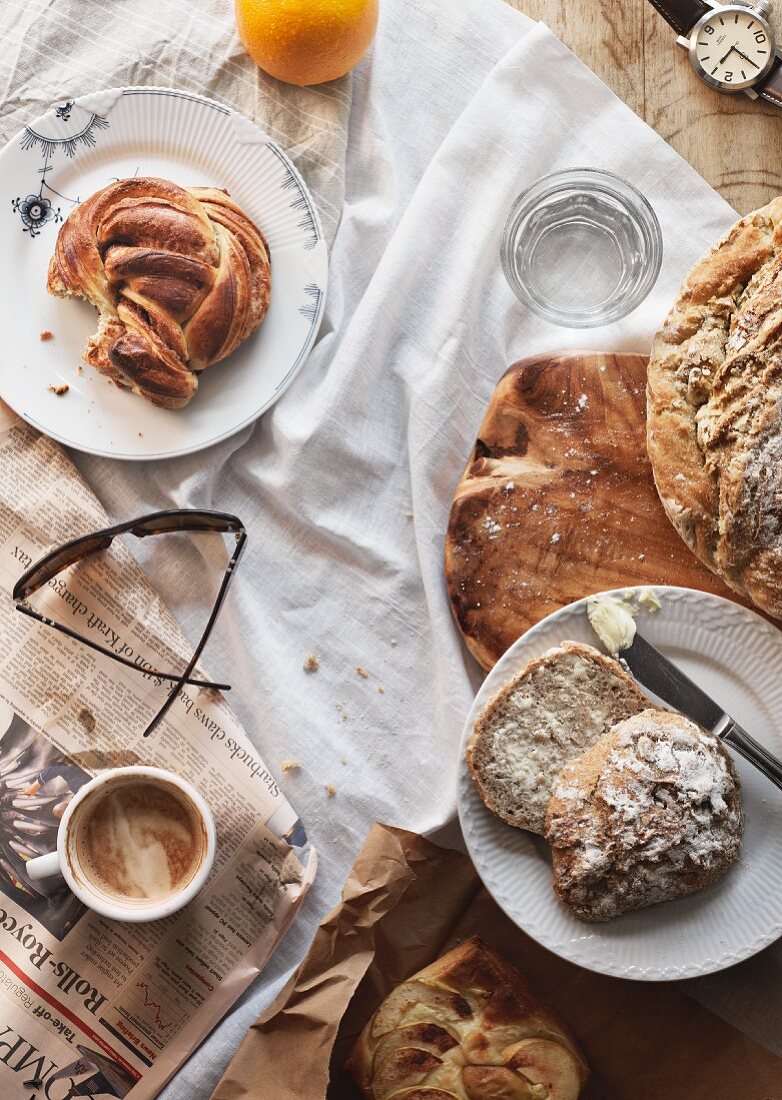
(681, 14)
(771, 88)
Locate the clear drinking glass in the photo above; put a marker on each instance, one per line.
(581, 247)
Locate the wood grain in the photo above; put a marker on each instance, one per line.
(558, 500)
(735, 143)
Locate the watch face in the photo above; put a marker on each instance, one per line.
(731, 48)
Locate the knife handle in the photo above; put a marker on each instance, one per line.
(753, 751)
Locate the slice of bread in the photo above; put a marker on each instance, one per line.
(559, 705)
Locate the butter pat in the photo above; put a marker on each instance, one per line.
(613, 621)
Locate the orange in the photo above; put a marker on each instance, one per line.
(306, 41)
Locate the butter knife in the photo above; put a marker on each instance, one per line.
(669, 683)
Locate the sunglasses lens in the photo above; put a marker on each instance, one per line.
(193, 521)
(68, 555)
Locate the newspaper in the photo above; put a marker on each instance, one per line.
(90, 1006)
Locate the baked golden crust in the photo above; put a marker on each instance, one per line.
(714, 409)
(180, 277)
(468, 1027)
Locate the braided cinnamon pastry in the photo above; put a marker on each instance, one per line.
(180, 276)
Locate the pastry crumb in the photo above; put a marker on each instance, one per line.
(393, 641)
(60, 389)
(290, 765)
(46, 335)
(331, 790)
(343, 759)
(312, 663)
(380, 689)
(78, 368)
(362, 672)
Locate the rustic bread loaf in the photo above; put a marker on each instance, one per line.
(648, 813)
(557, 706)
(468, 1027)
(714, 428)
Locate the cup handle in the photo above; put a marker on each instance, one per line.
(43, 866)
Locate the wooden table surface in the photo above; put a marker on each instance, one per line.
(735, 143)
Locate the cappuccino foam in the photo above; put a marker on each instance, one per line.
(139, 840)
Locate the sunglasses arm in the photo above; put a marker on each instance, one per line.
(174, 677)
(241, 539)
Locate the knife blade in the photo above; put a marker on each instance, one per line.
(663, 677)
(670, 684)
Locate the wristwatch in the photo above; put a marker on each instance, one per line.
(731, 46)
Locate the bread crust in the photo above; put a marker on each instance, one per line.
(649, 813)
(467, 1027)
(180, 277)
(714, 409)
(478, 746)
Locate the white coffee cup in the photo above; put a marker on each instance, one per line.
(89, 888)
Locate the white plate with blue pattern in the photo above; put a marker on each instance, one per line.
(735, 656)
(68, 154)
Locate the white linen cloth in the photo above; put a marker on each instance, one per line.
(345, 485)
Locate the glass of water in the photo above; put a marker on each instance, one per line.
(581, 247)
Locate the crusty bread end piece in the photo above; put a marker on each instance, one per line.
(649, 813)
(559, 705)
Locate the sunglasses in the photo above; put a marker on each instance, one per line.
(182, 520)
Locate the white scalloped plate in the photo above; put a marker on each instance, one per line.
(735, 656)
(84, 144)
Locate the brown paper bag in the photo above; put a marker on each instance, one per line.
(406, 902)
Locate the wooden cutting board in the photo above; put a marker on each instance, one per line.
(558, 500)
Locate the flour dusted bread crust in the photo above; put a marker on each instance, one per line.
(180, 277)
(468, 1027)
(714, 430)
(649, 813)
(556, 707)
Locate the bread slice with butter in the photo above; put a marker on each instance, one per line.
(558, 706)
